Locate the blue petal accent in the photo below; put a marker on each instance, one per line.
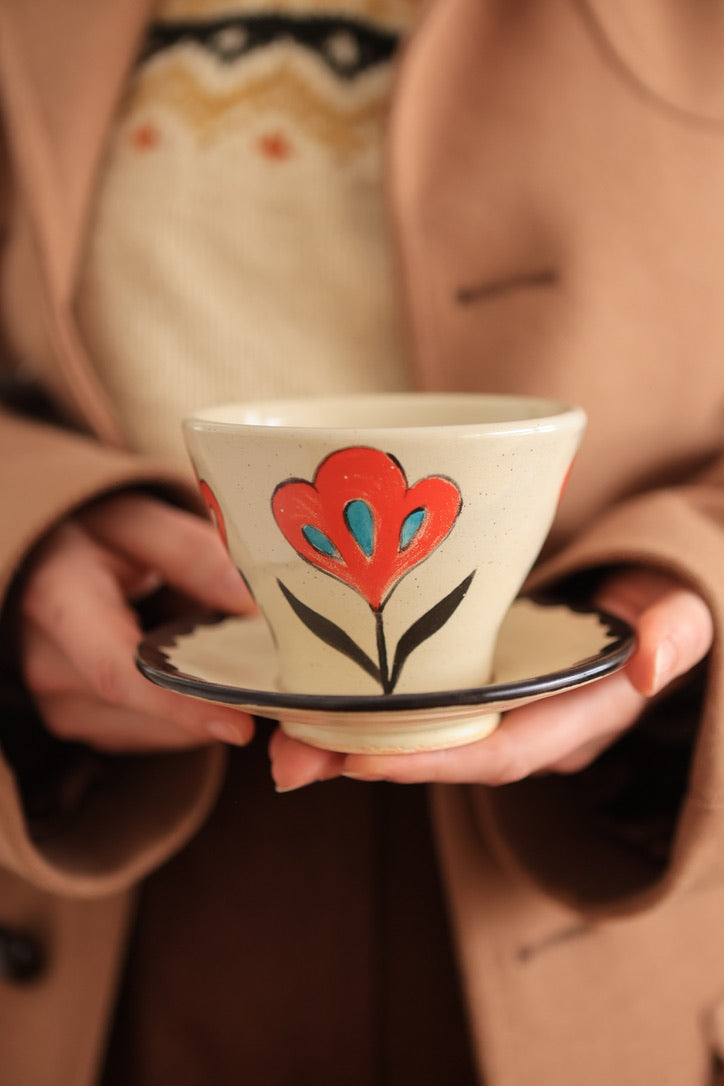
(361, 523)
(411, 526)
(320, 541)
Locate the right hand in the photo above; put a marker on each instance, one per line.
(79, 630)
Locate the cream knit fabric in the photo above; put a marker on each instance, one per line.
(238, 248)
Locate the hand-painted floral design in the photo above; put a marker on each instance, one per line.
(214, 509)
(361, 522)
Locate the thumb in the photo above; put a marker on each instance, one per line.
(674, 627)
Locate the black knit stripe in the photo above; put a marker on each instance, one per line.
(346, 46)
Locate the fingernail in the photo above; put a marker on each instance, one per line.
(282, 788)
(665, 663)
(226, 732)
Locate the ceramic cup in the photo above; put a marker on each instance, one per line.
(384, 537)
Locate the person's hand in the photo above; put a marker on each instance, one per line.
(559, 734)
(79, 631)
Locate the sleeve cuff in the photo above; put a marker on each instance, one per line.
(647, 819)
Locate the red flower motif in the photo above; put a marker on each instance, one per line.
(360, 522)
(214, 509)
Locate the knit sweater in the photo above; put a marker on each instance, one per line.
(238, 248)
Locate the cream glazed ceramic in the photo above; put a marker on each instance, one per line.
(384, 537)
(544, 647)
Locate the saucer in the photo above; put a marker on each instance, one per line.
(543, 648)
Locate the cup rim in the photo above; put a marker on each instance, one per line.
(533, 414)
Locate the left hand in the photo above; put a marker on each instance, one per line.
(560, 734)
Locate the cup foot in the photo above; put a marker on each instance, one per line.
(404, 736)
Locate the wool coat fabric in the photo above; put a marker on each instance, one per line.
(554, 175)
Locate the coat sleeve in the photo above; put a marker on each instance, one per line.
(73, 822)
(647, 818)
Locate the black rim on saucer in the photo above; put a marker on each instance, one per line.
(153, 660)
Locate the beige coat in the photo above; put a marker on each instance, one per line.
(556, 171)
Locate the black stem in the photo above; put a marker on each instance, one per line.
(382, 654)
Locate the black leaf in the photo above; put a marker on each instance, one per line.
(330, 633)
(427, 625)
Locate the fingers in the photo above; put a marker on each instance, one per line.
(560, 734)
(78, 647)
(295, 763)
(129, 719)
(182, 549)
(114, 729)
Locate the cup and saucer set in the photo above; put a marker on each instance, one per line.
(384, 539)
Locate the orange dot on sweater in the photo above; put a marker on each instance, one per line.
(274, 145)
(145, 137)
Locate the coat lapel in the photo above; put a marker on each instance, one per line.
(66, 67)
